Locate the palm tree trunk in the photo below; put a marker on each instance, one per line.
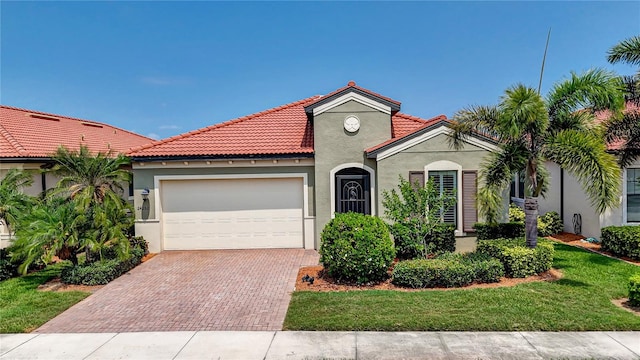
(531, 221)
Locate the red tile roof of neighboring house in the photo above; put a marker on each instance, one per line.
(283, 130)
(33, 134)
(602, 116)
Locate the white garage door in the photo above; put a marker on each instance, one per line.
(232, 213)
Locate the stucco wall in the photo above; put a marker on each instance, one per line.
(419, 156)
(551, 201)
(334, 146)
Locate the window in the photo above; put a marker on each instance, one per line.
(633, 195)
(131, 187)
(517, 185)
(416, 178)
(446, 183)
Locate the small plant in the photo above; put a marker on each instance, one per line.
(356, 248)
(634, 290)
(516, 214)
(7, 268)
(622, 240)
(549, 224)
(415, 211)
(519, 260)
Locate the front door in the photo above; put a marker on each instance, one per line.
(352, 193)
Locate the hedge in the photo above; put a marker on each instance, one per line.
(356, 248)
(634, 290)
(622, 240)
(519, 261)
(447, 270)
(508, 230)
(101, 272)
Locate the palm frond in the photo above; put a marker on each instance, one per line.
(627, 51)
(584, 156)
(593, 90)
(522, 111)
(481, 119)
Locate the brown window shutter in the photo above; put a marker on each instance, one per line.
(469, 191)
(416, 177)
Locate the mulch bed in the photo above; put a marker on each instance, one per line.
(624, 304)
(323, 283)
(578, 240)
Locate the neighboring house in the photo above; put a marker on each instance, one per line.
(567, 198)
(275, 178)
(28, 139)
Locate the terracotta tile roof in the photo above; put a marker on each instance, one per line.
(603, 116)
(281, 130)
(27, 133)
(278, 131)
(404, 125)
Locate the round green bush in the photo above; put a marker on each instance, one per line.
(356, 248)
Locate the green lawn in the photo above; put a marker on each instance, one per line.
(580, 301)
(23, 308)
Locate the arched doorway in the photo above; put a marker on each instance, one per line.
(352, 191)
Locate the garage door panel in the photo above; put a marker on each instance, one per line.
(232, 213)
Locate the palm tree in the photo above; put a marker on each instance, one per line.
(13, 202)
(626, 129)
(54, 229)
(531, 129)
(90, 179)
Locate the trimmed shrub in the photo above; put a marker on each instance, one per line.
(447, 270)
(356, 248)
(634, 290)
(509, 230)
(101, 272)
(549, 224)
(519, 261)
(7, 268)
(622, 240)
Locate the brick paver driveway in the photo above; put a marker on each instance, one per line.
(193, 290)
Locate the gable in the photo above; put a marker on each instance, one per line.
(438, 129)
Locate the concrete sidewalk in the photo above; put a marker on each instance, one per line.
(322, 345)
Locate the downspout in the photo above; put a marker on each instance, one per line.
(44, 181)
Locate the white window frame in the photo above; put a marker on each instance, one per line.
(446, 165)
(625, 196)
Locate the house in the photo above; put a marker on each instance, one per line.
(28, 139)
(275, 178)
(568, 199)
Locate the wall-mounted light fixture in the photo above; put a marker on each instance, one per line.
(145, 194)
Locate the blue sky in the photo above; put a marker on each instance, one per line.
(164, 68)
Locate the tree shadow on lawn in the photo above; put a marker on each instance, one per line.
(562, 262)
(571, 283)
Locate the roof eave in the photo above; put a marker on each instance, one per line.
(395, 106)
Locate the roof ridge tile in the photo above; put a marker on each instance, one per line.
(12, 141)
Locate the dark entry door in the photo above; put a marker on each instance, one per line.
(352, 193)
